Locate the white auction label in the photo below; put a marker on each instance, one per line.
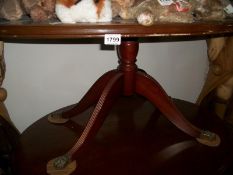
(112, 39)
(229, 9)
(165, 2)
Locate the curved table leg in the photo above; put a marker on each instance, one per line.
(151, 89)
(126, 80)
(112, 90)
(90, 98)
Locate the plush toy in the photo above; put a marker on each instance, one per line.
(209, 10)
(72, 11)
(119, 5)
(11, 9)
(38, 10)
(147, 12)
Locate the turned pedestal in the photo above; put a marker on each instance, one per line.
(126, 80)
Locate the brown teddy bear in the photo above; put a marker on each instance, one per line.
(38, 10)
(11, 9)
(147, 12)
(119, 5)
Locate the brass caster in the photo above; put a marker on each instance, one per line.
(61, 166)
(209, 138)
(57, 119)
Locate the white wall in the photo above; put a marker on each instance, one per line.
(41, 78)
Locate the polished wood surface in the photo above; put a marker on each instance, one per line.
(126, 80)
(134, 139)
(56, 30)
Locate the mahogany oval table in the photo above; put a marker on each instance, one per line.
(126, 80)
(27, 30)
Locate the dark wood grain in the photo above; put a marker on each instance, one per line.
(134, 139)
(31, 159)
(127, 80)
(56, 30)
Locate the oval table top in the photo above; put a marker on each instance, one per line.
(26, 29)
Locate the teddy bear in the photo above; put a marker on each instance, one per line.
(73, 11)
(147, 12)
(209, 10)
(11, 9)
(119, 5)
(38, 10)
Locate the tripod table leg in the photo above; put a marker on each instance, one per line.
(151, 89)
(90, 98)
(109, 95)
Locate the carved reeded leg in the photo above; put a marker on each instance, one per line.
(112, 90)
(90, 98)
(126, 80)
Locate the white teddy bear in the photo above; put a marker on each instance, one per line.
(71, 11)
